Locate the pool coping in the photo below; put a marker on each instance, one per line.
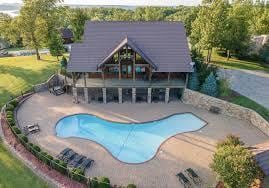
(157, 151)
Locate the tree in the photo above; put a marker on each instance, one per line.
(236, 36)
(210, 86)
(235, 164)
(208, 27)
(56, 46)
(193, 82)
(34, 22)
(78, 18)
(259, 23)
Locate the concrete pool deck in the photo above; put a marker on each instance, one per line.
(185, 150)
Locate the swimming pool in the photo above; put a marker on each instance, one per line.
(128, 142)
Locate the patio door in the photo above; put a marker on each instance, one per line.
(127, 70)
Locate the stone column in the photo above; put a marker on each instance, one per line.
(120, 95)
(167, 90)
(133, 95)
(149, 95)
(104, 95)
(86, 95)
(75, 95)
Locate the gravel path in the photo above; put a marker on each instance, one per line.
(253, 84)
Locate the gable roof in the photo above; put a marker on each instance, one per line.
(129, 42)
(162, 44)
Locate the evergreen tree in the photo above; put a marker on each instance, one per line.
(63, 62)
(56, 46)
(210, 87)
(193, 82)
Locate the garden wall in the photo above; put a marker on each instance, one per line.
(206, 102)
(52, 81)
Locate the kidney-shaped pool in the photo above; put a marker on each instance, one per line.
(128, 142)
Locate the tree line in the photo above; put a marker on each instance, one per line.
(221, 24)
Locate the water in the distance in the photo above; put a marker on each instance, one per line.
(130, 143)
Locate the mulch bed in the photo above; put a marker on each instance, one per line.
(53, 174)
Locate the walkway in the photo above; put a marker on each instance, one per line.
(252, 84)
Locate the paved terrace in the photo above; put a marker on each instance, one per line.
(193, 150)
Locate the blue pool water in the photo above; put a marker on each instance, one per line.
(130, 143)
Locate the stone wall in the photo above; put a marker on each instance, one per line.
(52, 81)
(204, 101)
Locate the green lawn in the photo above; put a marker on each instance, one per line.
(248, 103)
(15, 174)
(238, 64)
(20, 73)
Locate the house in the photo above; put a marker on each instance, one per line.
(257, 43)
(130, 61)
(67, 35)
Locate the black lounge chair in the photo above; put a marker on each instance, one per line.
(85, 164)
(184, 180)
(69, 156)
(195, 178)
(63, 153)
(76, 160)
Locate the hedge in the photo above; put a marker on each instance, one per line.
(131, 186)
(16, 130)
(14, 103)
(10, 107)
(77, 174)
(104, 182)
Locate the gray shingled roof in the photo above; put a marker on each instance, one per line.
(164, 44)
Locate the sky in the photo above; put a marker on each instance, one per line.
(124, 2)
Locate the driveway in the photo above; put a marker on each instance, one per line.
(252, 84)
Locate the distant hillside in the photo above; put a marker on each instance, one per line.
(10, 6)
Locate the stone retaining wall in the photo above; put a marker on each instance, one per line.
(54, 80)
(204, 101)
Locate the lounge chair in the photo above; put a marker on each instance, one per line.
(184, 180)
(195, 178)
(69, 156)
(85, 164)
(31, 128)
(76, 160)
(63, 153)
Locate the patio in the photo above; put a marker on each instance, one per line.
(193, 149)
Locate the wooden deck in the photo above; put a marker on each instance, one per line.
(128, 83)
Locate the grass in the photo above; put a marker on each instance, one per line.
(238, 64)
(21, 73)
(248, 103)
(15, 174)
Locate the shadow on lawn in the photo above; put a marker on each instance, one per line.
(242, 65)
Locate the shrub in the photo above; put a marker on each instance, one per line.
(224, 88)
(11, 121)
(77, 174)
(23, 137)
(16, 130)
(14, 103)
(103, 182)
(9, 113)
(93, 183)
(235, 164)
(210, 87)
(59, 165)
(231, 140)
(193, 82)
(131, 186)
(11, 116)
(35, 150)
(10, 107)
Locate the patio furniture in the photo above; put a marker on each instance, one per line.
(69, 156)
(57, 90)
(76, 160)
(85, 164)
(63, 153)
(184, 180)
(214, 109)
(33, 128)
(195, 178)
